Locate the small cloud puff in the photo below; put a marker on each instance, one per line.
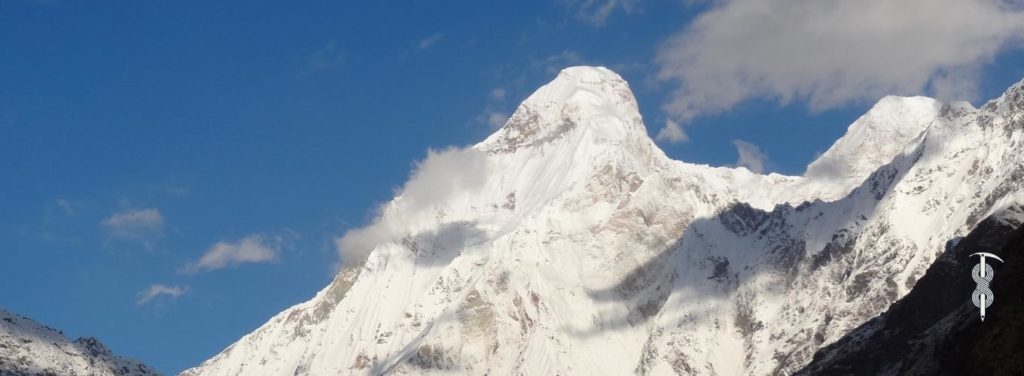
(142, 225)
(255, 248)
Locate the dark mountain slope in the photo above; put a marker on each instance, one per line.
(935, 329)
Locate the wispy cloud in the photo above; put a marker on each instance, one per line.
(68, 207)
(175, 189)
(750, 156)
(430, 41)
(156, 290)
(328, 57)
(60, 220)
(832, 53)
(255, 248)
(596, 12)
(142, 225)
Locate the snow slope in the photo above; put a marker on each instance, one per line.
(580, 248)
(28, 348)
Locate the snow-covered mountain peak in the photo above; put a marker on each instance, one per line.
(581, 103)
(602, 83)
(580, 248)
(874, 139)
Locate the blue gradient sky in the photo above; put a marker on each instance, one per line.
(286, 121)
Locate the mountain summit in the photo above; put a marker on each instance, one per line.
(573, 245)
(581, 101)
(874, 139)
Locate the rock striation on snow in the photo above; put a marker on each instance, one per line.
(582, 249)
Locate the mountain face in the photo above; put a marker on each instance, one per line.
(573, 245)
(28, 348)
(934, 330)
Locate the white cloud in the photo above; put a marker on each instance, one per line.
(441, 174)
(956, 84)
(327, 57)
(672, 132)
(430, 41)
(156, 290)
(832, 53)
(434, 181)
(597, 12)
(142, 225)
(254, 248)
(750, 156)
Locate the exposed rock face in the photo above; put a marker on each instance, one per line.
(28, 348)
(935, 329)
(585, 250)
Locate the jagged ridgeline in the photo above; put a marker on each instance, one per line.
(581, 249)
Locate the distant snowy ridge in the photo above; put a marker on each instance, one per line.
(576, 246)
(28, 348)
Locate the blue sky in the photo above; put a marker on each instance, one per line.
(175, 173)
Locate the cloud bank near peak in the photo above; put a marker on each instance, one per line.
(833, 53)
(441, 176)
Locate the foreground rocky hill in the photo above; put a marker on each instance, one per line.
(28, 348)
